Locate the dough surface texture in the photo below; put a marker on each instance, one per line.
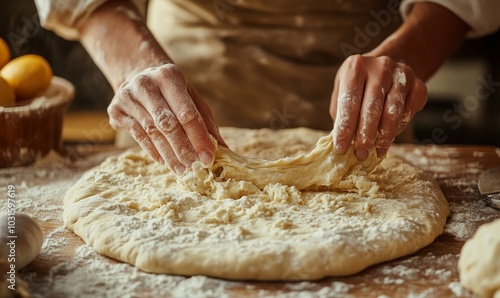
(479, 263)
(245, 218)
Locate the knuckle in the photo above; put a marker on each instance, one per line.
(166, 121)
(407, 70)
(149, 127)
(386, 62)
(142, 81)
(169, 71)
(394, 112)
(115, 116)
(113, 110)
(186, 115)
(124, 94)
(138, 134)
(355, 61)
(114, 123)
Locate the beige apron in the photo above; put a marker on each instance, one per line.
(269, 63)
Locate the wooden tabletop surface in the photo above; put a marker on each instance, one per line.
(431, 272)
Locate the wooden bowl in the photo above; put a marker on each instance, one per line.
(31, 129)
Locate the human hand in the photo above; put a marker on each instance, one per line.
(166, 116)
(373, 100)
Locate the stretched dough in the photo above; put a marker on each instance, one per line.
(221, 224)
(320, 169)
(479, 262)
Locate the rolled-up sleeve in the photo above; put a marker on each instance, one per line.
(63, 16)
(483, 16)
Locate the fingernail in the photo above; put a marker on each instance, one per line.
(206, 157)
(179, 169)
(341, 146)
(381, 152)
(361, 154)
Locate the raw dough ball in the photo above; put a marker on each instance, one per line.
(479, 262)
(28, 242)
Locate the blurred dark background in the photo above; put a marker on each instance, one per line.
(462, 109)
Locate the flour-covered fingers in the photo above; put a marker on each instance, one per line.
(393, 111)
(161, 120)
(351, 85)
(415, 101)
(207, 116)
(371, 112)
(134, 118)
(191, 133)
(121, 120)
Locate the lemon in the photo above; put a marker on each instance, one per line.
(28, 75)
(7, 96)
(4, 53)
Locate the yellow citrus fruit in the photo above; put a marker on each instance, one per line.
(4, 53)
(28, 75)
(7, 96)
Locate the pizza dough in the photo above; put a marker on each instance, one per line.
(338, 221)
(479, 262)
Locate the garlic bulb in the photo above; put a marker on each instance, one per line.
(20, 239)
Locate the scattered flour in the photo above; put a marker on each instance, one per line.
(466, 217)
(429, 293)
(90, 274)
(458, 290)
(401, 271)
(52, 244)
(40, 191)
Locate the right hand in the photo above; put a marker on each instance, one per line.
(166, 116)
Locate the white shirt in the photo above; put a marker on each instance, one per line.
(483, 16)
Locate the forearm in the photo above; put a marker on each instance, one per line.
(119, 41)
(430, 34)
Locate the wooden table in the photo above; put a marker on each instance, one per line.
(431, 272)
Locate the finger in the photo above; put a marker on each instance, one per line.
(370, 114)
(415, 101)
(393, 111)
(207, 116)
(191, 124)
(351, 86)
(164, 119)
(135, 130)
(155, 138)
(334, 99)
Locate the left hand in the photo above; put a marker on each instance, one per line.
(373, 100)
